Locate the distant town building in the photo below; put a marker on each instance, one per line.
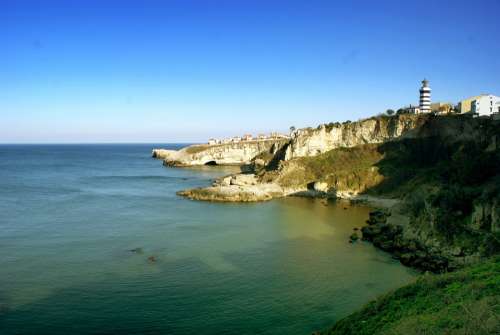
(465, 106)
(425, 97)
(412, 109)
(278, 135)
(247, 137)
(486, 104)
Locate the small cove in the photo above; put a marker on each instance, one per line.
(71, 214)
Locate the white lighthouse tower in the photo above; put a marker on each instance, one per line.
(425, 97)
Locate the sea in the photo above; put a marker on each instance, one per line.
(94, 240)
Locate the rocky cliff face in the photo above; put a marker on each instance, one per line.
(311, 142)
(223, 154)
(443, 168)
(486, 216)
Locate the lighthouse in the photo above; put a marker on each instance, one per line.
(425, 97)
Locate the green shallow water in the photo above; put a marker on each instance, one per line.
(69, 216)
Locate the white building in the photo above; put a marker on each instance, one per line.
(486, 104)
(262, 137)
(425, 97)
(212, 141)
(412, 109)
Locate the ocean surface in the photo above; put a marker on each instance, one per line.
(93, 240)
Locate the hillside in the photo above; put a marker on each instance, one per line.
(462, 302)
(447, 179)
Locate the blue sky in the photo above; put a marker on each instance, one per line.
(184, 71)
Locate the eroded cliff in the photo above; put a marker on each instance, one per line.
(309, 142)
(222, 154)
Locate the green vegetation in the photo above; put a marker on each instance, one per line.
(344, 168)
(193, 149)
(449, 179)
(463, 302)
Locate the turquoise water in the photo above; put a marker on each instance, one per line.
(71, 214)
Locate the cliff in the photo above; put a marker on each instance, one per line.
(222, 154)
(305, 142)
(311, 142)
(442, 169)
(442, 175)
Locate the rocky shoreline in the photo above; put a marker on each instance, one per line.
(387, 228)
(397, 238)
(362, 160)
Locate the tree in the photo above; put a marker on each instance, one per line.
(389, 112)
(292, 129)
(400, 111)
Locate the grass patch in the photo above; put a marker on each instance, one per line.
(343, 168)
(193, 149)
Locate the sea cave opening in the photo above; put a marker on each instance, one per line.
(211, 163)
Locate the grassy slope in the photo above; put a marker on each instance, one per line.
(462, 302)
(343, 168)
(389, 169)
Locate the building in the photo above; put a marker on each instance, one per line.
(236, 139)
(262, 137)
(247, 137)
(276, 135)
(212, 141)
(442, 107)
(412, 109)
(465, 106)
(486, 104)
(425, 97)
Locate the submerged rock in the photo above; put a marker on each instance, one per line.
(354, 237)
(136, 250)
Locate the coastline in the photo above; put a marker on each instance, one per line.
(450, 204)
(389, 227)
(440, 216)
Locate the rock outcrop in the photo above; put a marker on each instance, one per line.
(311, 142)
(486, 216)
(236, 188)
(160, 153)
(222, 154)
(418, 248)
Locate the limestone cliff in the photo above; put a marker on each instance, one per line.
(311, 142)
(222, 154)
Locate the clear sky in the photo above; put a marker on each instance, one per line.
(184, 71)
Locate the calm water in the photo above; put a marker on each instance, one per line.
(70, 214)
